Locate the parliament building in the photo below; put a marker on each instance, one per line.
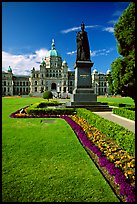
(52, 76)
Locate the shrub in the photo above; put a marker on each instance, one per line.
(50, 111)
(124, 112)
(110, 129)
(47, 95)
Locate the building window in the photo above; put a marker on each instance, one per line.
(20, 83)
(4, 89)
(35, 89)
(42, 82)
(64, 89)
(27, 83)
(35, 82)
(24, 83)
(4, 83)
(17, 83)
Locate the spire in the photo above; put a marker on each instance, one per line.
(53, 45)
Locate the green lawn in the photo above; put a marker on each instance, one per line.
(125, 100)
(44, 162)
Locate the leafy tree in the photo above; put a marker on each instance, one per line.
(123, 68)
(47, 95)
(110, 82)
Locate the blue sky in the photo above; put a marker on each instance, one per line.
(29, 27)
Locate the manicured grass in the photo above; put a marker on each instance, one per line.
(125, 100)
(45, 162)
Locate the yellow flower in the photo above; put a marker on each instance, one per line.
(117, 162)
(130, 172)
(111, 157)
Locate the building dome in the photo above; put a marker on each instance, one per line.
(95, 71)
(43, 62)
(9, 69)
(108, 71)
(64, 62)
(53, 52)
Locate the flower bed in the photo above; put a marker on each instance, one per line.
(117, 166)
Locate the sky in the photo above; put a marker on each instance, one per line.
(29, 27)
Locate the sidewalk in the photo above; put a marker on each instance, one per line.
(126, 123)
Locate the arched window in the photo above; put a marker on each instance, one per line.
(53, 86)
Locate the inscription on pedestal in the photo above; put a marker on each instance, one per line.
(84, 75)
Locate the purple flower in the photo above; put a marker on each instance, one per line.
(120, 178)
(126, 189)
(131, 198)
(103, 161)
(95, 149)
(112, 170)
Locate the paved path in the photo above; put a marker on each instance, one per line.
(128, 124)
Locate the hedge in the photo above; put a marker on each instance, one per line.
(50, 111)
(124, 112)
(122, 136)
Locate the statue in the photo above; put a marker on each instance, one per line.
(83, 51)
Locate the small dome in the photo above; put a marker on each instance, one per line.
(9, 69)
(108, 71)
(43, 62)
(53, 52)
(95, 71)
(64, 62)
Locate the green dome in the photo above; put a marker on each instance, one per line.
(9, 69)
(53, 52)
(43, 62)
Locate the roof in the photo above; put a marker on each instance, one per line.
(53, 52)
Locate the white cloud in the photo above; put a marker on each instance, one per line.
(113, 21)
(22, 64)
(77, 28)
(70, 30)
(117, 13)
(100, 52)
(95, 53)
(109, 29)
(71, 53)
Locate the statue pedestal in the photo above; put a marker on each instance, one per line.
(83, 93)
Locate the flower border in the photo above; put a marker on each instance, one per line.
(114, 176)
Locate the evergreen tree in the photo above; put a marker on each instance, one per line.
(123, 68)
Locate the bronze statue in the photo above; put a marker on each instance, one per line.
(83, 51)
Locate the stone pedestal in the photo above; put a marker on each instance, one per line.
(83, 93)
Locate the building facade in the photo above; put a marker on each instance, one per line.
(52, 76)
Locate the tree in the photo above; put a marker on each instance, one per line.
(123, 68)
(47, 95)
(110, 83)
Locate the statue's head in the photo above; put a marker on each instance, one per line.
(82, 26)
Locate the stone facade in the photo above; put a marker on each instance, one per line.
(53, 76)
